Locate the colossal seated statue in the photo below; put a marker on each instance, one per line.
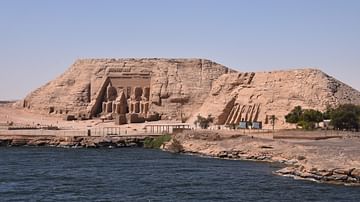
(111, 93)
(121, 103)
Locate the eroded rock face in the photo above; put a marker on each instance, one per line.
(257, 96)
(183, 88)
(172, 88)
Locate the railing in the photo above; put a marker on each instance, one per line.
(98, 131)
(158, 129)
(165, 128)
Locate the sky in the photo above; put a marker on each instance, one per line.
(40, 39)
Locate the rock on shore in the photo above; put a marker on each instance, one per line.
(312, 160)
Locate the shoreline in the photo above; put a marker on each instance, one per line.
(72, 141)
(293, 175)
(294, 159)
(297, 162)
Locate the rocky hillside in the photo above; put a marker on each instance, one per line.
(184, 88)
(273, 93)
(178, 86)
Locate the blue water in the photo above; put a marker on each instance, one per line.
(56, 174)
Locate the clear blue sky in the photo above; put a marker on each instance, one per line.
(40, 39)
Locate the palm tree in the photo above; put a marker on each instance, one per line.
(272, 121)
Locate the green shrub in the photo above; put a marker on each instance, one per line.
(306, 125)
(155, 143)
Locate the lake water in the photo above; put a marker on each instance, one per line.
(57, 174)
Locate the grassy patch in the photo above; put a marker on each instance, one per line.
(155, 143)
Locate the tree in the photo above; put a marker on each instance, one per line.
(346, 117)
(327, 113)
(294, 115)
(305, 118)
(311, 115)
(272, 121)
(204, 122)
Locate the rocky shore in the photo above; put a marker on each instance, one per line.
(329, 161)
(72, 141)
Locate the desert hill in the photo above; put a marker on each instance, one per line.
(142, 89)
(274, 93)
(175, 84)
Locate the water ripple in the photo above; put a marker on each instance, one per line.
(56, 174)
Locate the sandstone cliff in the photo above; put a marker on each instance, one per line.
(178, 86)
(257, 96)
(183, 88)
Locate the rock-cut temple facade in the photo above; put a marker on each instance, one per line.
(139, 90)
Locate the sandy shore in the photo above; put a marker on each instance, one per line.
(333, 160)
